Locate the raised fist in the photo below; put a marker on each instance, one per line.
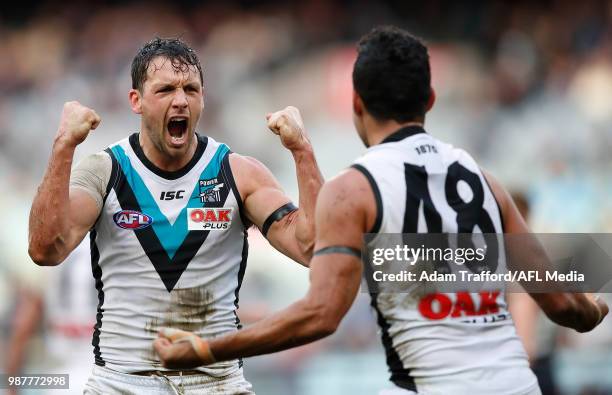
(288, 124)
(76, 123)
(601, 305)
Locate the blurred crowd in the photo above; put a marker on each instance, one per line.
(526, 87)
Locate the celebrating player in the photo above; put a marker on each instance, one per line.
(168, 211)
(407, 182)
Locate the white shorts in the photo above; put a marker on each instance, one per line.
(106, 381)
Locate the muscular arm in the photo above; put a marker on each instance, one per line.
(579, 311)
(309, 180)
(342, 216)
(293, 232)
(60, 217)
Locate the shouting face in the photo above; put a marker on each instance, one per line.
(170, 104)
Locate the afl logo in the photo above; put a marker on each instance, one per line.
(130, 219)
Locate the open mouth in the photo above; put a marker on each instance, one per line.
(177, 129)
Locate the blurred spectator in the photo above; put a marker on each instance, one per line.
(64, 308)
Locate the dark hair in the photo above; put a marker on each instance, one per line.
(180, 55)
(391, 74)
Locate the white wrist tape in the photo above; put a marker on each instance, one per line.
(200, 346)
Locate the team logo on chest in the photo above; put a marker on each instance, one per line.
(210, 190)
(131, 219)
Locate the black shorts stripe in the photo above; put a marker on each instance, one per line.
(277, 215)
(377, 197)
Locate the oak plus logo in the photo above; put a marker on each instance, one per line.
(209, 218)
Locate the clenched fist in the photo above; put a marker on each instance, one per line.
(178, 349)
(287, 124)
(602, 306)
(76, 123)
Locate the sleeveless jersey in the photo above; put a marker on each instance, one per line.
(463, 342)
(169, 249)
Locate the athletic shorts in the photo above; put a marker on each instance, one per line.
(106, 381)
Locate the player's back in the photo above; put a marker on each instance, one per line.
(441, 342)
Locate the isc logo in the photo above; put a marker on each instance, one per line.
(170, 195)
(130, 219)
(209, 218)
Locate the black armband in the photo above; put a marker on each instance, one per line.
(338, 250)
(277, 215)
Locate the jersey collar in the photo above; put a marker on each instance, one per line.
(403, 133)
(169, 175)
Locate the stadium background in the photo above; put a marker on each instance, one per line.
(525, 87)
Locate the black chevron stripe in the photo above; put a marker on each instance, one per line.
(169, 270)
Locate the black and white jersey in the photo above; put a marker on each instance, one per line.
(168, 250)
(459, 343)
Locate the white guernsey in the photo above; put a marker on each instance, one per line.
(435, 339)
(142, 245)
